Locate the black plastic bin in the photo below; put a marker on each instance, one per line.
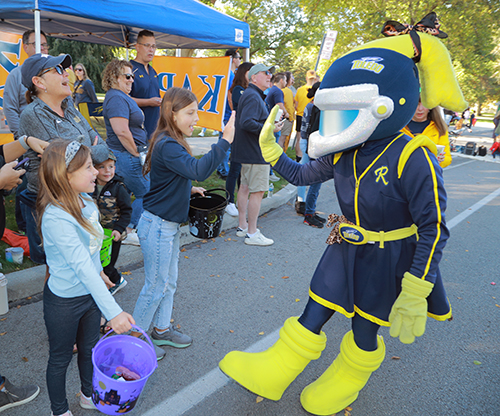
(470, 148)
(207, 212)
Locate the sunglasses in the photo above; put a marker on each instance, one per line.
(129, 76)
(78, 69)
(59, 69)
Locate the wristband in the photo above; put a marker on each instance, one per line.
(23, 142)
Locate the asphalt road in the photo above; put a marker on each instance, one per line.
(232, 296)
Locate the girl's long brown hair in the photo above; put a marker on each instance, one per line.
(174, 100)
(435, 116)
(240, 78)
(53, 183)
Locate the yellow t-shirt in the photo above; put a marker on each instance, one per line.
(302, 99)
(432, 133)
(71, 79)
(290, 108)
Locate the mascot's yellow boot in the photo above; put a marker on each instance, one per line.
(270, 372)
(341, 383)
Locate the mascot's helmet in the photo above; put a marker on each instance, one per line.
(366, 95)
(372, 92)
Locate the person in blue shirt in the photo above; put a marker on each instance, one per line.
(239, 85)
(172, 167)
(75, 293)
(223, 168)
(146, 88)
(84, 87)
(274, 97)
(126, 135)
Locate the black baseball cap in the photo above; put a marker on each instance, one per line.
(38, 62)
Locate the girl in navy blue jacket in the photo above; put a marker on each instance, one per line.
(172, 167)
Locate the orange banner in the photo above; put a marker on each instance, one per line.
(208, 79)
(11, 55)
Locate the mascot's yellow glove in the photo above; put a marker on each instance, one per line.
(271, 151)
(409, 313)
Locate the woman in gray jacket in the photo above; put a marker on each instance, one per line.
(50, 115)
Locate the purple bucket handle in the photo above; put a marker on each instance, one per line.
(146, 336)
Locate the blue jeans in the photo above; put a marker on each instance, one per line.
(28, 201)
(160, 247)
(223, 167)
(232, 178)
(312, 194)
(69, 320)
(130, 168)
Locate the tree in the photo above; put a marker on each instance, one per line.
(288, 33)
(95, 57)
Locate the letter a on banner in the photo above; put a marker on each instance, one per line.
(206, 77)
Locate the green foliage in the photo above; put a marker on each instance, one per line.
(288, 33)
(94, 57)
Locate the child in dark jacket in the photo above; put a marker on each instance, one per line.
(113, 200)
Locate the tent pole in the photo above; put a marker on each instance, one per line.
(178, 53)
(247, 55)
(38, 47)
(126, 55)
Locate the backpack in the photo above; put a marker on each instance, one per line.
(313, 121)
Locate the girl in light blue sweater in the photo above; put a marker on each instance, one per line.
(75, 293)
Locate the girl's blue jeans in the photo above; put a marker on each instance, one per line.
(159, 240)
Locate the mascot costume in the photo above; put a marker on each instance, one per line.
(381, 265)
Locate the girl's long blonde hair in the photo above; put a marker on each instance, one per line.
(174, 100)
(54, 187)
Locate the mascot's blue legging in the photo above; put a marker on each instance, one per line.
(365, 332)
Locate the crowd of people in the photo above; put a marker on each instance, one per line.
(78, 184)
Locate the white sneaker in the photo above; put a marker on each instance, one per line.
(86, 402)
(132, 239)
(232, 210)
(273, 178)
(258, 239)
(240, 232)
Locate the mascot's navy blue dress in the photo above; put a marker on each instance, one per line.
(381, 265)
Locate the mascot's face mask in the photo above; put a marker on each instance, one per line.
(367, 94)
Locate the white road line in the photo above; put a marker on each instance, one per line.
(469, 211)
(459, 165)
(209, 383)
(205, 386)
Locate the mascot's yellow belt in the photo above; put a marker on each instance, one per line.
(355, 234)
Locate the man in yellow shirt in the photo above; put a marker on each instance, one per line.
(302, 100)
(286, 131)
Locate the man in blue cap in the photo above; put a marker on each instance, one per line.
(250, 118)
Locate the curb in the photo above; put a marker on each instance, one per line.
(30, 282)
